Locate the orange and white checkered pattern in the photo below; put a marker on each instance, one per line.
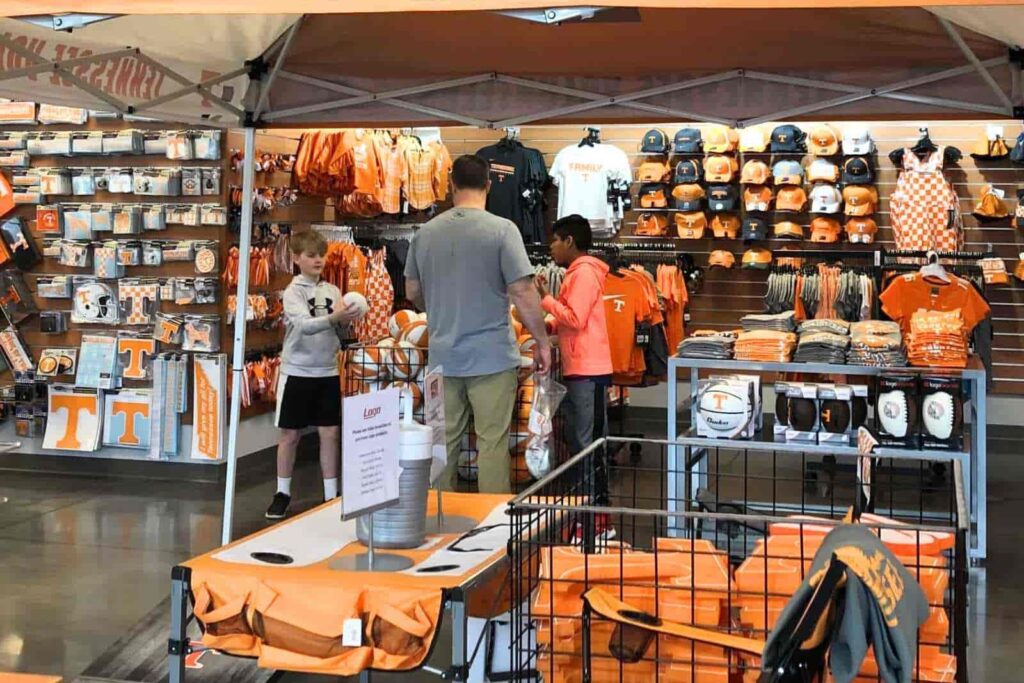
(380, 294)
(921, 205)
(133, 302)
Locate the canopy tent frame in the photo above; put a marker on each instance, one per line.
(270, 68)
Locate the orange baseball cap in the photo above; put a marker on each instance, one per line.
(757, 258)
(720, 169)
(687, 197)
(652, 196)
(720, 139)
(788, 229)
(721, 258)
(691, 225)
(824, 140)
(1018, 271)
(825, 229)
(653, 171)
(726, 225)
(861, 200)
(755, 173)
(791, 198)
(990, 205)
(861, 230)
(651, 225)
(757, 197)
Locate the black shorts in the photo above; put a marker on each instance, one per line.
(308, 402)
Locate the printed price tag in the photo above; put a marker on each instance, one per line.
(352, 633)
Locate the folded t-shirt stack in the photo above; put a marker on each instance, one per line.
(766, 346)
(820, 342)
(937, 339)
(708, 344)
(877, 343)
(779, 322)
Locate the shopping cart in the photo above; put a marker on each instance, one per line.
(724, 561)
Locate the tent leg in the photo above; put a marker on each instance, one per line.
(985, 74)
(238, 353)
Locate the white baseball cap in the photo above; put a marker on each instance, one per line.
(825, 199)
(857, 140)
(822, 170)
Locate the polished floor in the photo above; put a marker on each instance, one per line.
(82, 560)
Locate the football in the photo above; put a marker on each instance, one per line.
(892, 412)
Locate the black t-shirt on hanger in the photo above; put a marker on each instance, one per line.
(509, 167)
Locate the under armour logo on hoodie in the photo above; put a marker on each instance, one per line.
(317, 309)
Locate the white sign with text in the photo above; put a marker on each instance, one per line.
(369, 452)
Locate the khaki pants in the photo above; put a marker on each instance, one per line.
(490, 399)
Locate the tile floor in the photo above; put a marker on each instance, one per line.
(82, 560)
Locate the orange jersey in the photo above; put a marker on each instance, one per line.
(908, 293)
(625, 305)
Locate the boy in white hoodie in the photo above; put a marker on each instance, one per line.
(309, 388)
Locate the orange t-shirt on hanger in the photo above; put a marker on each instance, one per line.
(908, 293)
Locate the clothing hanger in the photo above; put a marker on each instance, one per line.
(933, 269)
(593, 137)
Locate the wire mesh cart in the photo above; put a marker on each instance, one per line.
(707, 575)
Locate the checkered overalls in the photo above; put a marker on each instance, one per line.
(924, 208)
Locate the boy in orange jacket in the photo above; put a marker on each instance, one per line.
(582, 335)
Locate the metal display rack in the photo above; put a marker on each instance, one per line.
(688, 457)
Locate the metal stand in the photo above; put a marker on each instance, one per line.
(441, 524)
(371, 561)
(688, 453)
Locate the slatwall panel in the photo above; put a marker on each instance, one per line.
(727, 295)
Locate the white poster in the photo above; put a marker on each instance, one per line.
(433, 414)
(209, 406)
(369, 452)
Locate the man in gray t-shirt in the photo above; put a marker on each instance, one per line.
(464, 268)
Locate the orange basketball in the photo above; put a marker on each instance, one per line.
(407, 361)
(399, 320)
(367, 362)
(526, 344)
(416, 333)
(524, 401)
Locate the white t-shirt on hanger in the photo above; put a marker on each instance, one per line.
(582, 175)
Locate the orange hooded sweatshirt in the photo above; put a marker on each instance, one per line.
(579, 311)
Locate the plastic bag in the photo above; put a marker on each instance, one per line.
(547, 396)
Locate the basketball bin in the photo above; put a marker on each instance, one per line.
(723, 552)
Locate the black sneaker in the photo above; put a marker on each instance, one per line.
(279, 506)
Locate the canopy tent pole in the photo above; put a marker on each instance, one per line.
(241, 311)
(975, 62)
(282, 54)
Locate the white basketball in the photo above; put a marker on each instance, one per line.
(399, 320)
(416, 333)
(722, 408)
(367, 362)
(407, 361)
(358, 301)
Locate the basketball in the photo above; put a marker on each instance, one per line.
(722, 409)
(399, 320)
(414, 389)
(367, 362)
(466, 469)
(524, 401)
(416, 333)
(407, 361)
(526, 345)
(358, 301)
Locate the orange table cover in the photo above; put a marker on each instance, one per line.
(293, 616)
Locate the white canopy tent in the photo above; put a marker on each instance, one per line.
(505, 63)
